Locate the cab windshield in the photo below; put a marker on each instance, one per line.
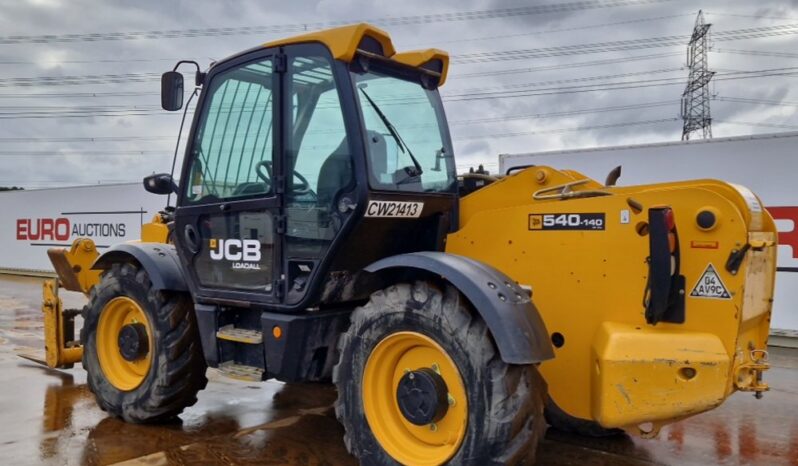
(407, 143)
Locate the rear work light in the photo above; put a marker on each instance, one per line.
(664, 294)
(670, 221)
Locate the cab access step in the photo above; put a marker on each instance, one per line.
(256, 346)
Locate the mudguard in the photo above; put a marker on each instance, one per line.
(158, 259)
(506, 308)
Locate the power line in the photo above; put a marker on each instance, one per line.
(70, 107)
(34, 113)
(764, 125)
(453, 123)
(762, 53)
(80, 95)
(620, 45)
(564, 113)
(779, 103)
(565, 130)
(610, 61)
(486, 136)
(42, 153)
(738, 15)
(470, 58)
(82, 114)
(151, 77)
(83, 62)
(553, 31)
(573, 80)
(72, 182)
(14, 140)
(79, 80)
(435, 42)
(791, 71)
(105, 139)
(304, 27)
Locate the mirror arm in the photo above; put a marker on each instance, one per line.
(199, 77)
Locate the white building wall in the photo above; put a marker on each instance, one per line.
(766, 164)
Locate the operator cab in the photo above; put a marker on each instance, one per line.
(309, 159)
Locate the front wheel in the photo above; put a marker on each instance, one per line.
(141, 347)
(420, 382)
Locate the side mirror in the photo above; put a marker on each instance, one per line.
(172, 91)
(160, 183)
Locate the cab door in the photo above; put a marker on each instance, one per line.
(225, 223)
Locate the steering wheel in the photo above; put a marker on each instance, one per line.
(263, 170)
(303, 187)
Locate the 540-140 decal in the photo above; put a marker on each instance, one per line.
(569, 221)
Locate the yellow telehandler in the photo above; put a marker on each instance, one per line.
(321, 233)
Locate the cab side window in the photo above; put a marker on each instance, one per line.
(232, 154)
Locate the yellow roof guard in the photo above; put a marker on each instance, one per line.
(346, 41)
(434, 60)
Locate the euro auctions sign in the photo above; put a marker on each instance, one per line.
(34, 221)
(62, 228)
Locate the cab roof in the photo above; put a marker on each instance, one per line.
(346, 41)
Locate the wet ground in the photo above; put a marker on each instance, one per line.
(49, 417)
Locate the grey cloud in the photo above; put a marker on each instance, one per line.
(523, 32)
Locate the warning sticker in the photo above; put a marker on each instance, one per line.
(710, 285)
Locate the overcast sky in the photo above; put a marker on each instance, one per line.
(497, 101)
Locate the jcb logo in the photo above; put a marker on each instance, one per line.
(247, 250)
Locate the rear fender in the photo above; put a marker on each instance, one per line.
(506, 308)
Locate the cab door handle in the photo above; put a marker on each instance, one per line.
(192, 238)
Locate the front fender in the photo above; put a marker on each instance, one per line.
(506, 308)
(158, 259)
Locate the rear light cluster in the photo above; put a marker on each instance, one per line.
(670, 225)
(664, 294)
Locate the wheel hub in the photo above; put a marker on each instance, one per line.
(124, 343)
(422, 396)
(414, 399)
(133, 341)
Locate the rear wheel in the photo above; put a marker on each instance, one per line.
(141, 347)
(420, 382)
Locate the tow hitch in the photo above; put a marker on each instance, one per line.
(748, 376)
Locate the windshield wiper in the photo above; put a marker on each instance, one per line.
(399, 141)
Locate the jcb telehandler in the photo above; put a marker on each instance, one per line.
(320, 232)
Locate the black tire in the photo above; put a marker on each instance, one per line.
(178, 367)
(505, 402)
(564, 422)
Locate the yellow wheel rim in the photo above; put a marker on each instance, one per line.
(406, 442)
(123, 374)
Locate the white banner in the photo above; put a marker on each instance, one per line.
(33, 221)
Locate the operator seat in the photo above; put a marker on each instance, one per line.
(336, 171)
(335, 174)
